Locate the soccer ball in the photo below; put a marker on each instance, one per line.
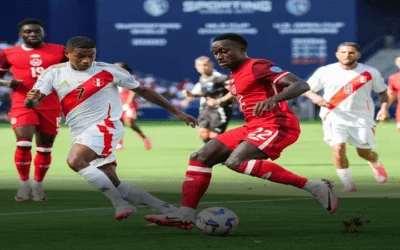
(218, 221)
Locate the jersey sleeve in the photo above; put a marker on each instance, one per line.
(125, 80)
(45, 81)
(379, 84)
(316, 81)
(4, 64)
(266, 70)
(197, 89)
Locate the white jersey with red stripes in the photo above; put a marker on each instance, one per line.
(348, 92)
(87, 97)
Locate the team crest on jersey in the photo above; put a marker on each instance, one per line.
(98, 82)
(35, 60)
(363, 79)
(209, 86)
(233, 89)
(348, 89)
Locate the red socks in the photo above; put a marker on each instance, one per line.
(271, 171)
(42, 161)
(23, 158)
(195, 184)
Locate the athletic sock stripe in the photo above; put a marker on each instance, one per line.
(43, 150)
(199, 169)
(24, 143)
(249, 167)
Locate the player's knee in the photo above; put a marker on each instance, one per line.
(339, 150)
(199, 156)
(364, 153)
(76, 163)
(233, 163)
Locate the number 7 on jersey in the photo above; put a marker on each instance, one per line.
(81, 91)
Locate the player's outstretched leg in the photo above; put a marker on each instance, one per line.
(139, 196)
(81, 159)
(241, 162)
(321, 189)
(195, 184)
(100, 181)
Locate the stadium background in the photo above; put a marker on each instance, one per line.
(161, 38)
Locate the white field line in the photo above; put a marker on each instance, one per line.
(397, 195)
(78, 178)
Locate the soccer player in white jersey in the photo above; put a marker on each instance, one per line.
(347, 110)
(88, 92)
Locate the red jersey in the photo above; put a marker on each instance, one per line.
(394, 84)
(255, 81)
(27, 64)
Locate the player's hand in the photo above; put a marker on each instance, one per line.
(32, 98)
(188, 119)
(212, 102)
(383, 115)
(187, 93)
(11, 83)
(261, 108)
(320, 101)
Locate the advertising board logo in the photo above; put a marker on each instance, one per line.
(226, 7)
(156, 7)
(298, 7)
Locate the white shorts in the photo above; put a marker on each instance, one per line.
(335, 134)
(101, 139)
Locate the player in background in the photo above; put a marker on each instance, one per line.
(26, 62)
(393, 89)
(347, 110)
(216, 104)
(262, 89)
(129, 110)
(88, 92)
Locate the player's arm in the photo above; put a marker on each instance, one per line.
(225, 98)
(380, 87)
(195, 93)
(316, 84)
(42, 87)
(391, 91)
(294, 87)
(268, 73)
(191, 95)
(4, 68)
(383, 113)
(154, 97)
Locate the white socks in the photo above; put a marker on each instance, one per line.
(100, 181)
(140, 196)
(187, 211)
(345, 176)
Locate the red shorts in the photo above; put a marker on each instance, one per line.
(129, 112)
(47, 121)
(272, 139)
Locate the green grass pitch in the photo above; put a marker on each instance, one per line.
(271, 216)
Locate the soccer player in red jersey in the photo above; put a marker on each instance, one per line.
(262, 89)
(393, 88)
(130, 107)
(26, 62)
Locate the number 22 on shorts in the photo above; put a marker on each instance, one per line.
(260, 134)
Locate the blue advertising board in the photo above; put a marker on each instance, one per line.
(163, 37)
